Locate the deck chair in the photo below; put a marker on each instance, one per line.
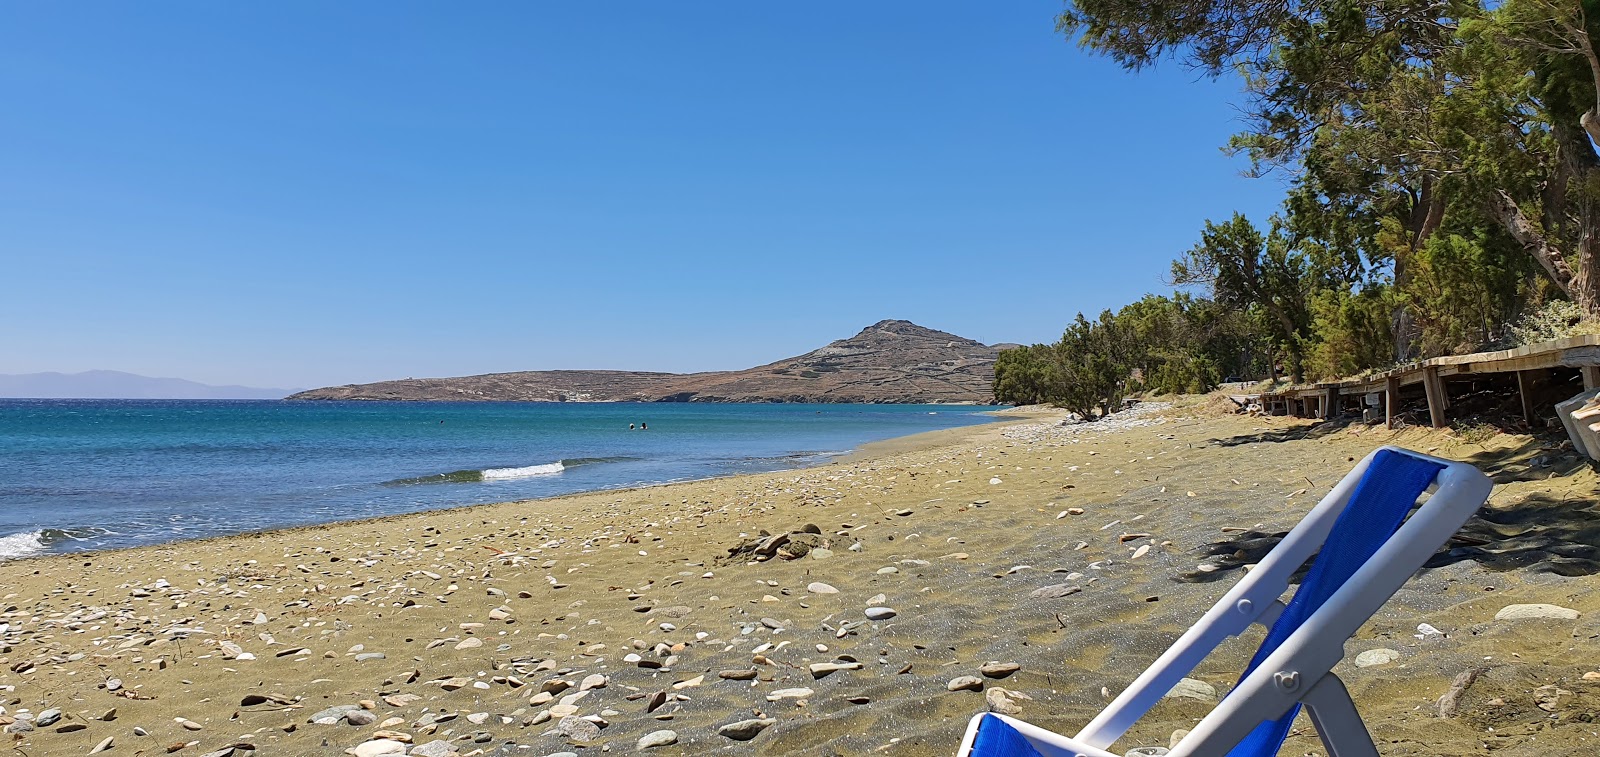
(1366, 550)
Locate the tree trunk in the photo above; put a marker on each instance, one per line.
(1584, 290)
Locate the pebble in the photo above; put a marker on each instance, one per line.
(999, 669)
(965, 683)
(371, 656)
(47, 718)
(1004, 701)
(1193, 689)
(378, 747)
(821, 553)
(1526, 612)
(1373, 657)
(746, 730)
(595, 681)
(887, 570)
(360, 717)
(880, 613)
(435, 748)
(577, 729)
(821, 588)
(824, 669)
(103, 745)
(737, 675)
(471, 642)
(1055, 591)
(657, 738)
(798, 693)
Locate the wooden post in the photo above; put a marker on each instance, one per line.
(1436, 396)
(1335, 408)
(1591, 376)
(1526, 381)
(1391, 400)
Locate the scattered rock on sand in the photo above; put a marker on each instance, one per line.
(1004, 701)
(1373, 657)
(746, 730)
(1526, 612)
(1055, 591)
(823, 669)
(798, 693)
(436, 748)
(965, 683)
(999, 669)
(577, 729)
(818, 587)
(657, 738)
(378, 747)
(1193, 689)
(880, 613)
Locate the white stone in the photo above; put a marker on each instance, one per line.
(1525, 612)
(1373, 657)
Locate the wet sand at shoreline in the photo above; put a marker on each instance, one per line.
(498, 629)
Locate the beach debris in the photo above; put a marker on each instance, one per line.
(657, 738)
(1450, 701)
(1532, 611)
(745, 730)
(1427, 632)
(1004, 701)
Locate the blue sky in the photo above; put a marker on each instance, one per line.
(298, 194)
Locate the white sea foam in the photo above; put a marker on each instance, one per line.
(548, 469)
(21, 545)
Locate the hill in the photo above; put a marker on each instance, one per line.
(888, 362)
(119, 385)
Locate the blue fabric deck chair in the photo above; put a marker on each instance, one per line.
(1366, 550)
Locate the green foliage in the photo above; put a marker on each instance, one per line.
(1441, 164)
(1558, 319)
(1159, 344)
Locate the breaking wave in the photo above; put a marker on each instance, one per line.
(30, 543)
(502, 474)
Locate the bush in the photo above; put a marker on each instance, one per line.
(1558, 319)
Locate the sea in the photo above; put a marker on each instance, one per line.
(80, 475)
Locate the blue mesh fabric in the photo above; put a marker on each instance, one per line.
(996, 738)
(1377, 507)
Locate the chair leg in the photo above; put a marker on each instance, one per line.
(1338, 724)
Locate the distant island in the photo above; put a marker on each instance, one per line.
(888, 362)
(96, 385)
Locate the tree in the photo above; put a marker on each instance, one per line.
(1263, 273)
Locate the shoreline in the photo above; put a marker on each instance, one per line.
(822, 459)
(496, 628)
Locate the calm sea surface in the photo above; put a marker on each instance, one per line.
(92, 474)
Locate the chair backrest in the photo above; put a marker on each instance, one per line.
(1374, 550)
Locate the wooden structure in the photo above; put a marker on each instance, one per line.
(1532, 367)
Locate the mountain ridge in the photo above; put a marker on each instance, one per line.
(105, 384)
(891, 361)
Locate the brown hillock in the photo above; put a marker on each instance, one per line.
(888, 362)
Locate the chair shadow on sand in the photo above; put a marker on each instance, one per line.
(1555, 531)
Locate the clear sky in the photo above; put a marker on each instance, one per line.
(295, 194)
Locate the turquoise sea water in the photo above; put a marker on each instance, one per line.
(94, 474)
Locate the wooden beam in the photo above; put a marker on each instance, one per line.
(1436, 395)
(1334, 404)
(1391, 400)
(1527, 381)
(1591, 376)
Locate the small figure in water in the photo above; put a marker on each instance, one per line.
(643, 426)
(630, 426)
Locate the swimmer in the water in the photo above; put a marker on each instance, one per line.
(630, 426)
(643, 426)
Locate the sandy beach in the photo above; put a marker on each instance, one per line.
(1031, 566)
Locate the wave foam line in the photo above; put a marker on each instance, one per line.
(26, 544)
(548, 469)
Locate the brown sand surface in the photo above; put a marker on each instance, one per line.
(483, 627)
